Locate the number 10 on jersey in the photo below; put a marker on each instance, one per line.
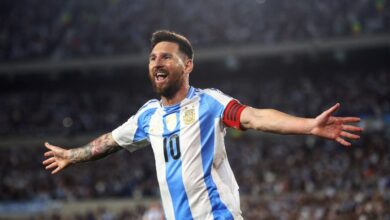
(172, 144)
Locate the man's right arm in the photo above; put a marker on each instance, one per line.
(60, 158)
(96, 149)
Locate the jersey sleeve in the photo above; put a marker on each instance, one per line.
(131, 134)
(232, 108)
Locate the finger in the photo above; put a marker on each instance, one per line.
(333, 109)
(349, 135)
(349, 119)
(51, 166)
(49, 154)
(47, 145)
(49, 161)
(51, 147)
(56, 170)
(343, 142)
(351, 128)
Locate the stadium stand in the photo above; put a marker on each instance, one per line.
(280, 177)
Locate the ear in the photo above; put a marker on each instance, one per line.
(188, 66)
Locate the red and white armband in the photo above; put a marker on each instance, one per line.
(232, 114)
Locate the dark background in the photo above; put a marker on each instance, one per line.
(72, 70)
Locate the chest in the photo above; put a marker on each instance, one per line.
(177, 121)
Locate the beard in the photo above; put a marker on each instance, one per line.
(171, 87)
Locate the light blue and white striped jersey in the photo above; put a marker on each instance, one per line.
(194, 175)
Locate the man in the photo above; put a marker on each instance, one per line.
(186, 130)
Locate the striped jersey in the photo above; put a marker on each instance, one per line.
(193, 172)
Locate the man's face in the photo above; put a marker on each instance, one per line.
(166, 68)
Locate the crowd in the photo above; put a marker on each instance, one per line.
(139, 212)
(317, 179)
(68, 29)
(82, 108)
(279, 178)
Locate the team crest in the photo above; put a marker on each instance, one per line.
(189, 116)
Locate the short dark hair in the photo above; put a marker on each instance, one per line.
(170, 36)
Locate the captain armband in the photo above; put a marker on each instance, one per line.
(232, 114)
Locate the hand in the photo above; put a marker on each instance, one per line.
(335, 128)
(58, 158)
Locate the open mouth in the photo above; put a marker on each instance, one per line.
(160, 75)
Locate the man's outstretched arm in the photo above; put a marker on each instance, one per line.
(324, 125)
(59, 158)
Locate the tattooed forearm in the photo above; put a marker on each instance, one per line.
(98, 148)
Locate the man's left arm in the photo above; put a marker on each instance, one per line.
(324, 125)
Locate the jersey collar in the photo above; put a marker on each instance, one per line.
(190, 94)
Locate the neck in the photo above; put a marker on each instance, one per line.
(177, 98)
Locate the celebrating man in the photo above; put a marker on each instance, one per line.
(186, 129)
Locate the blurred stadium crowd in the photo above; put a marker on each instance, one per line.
(81, 108)
(293, 178)
(280, 177)
(67, 29)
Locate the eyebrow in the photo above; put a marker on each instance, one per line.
(162, 53)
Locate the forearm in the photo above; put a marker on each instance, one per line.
(96, 149)
(270, 120)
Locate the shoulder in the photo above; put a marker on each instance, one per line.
(152, 103)
(148, 107)
(215, 95)
(211, 91)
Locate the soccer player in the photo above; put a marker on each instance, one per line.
(186, 129)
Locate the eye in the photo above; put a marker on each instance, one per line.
(166, 56)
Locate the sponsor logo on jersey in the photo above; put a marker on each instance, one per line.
(171, 122)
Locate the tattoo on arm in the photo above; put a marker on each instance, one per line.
(98, 148)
